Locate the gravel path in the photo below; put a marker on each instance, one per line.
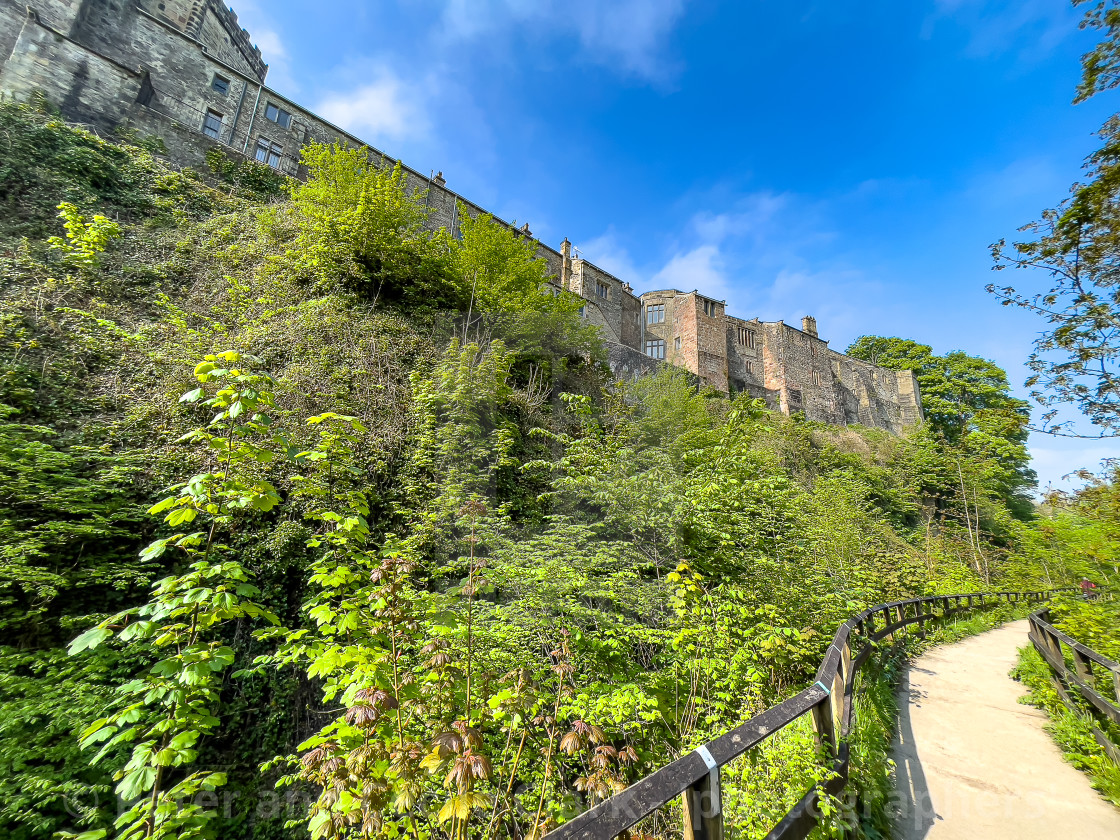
(972, 762)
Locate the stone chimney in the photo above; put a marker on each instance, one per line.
(565, 264)
(809, 326)
(439, 180)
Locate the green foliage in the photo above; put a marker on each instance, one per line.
(163, 714)
(359, 229)
(1074, 246)
(967, 402)
(504, 587)
(1071, 730)
(251, 179)
(85, 240)
(1100, 66)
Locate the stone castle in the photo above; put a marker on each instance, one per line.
(185, 71)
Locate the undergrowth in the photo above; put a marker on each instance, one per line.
(1096, 625)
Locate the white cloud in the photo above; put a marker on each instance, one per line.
(626, 35)
(609, 254)
(701, 268)
(263, 33)
(382, 109)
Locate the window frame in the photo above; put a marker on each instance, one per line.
(677, 343)
(655, 348)
(220, 84)
(282, 118)
(655, 313)
(206, 127)
(710, 310)
(271, 149)
(602, 290)
(746, 337)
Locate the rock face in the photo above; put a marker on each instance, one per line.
(185, 72)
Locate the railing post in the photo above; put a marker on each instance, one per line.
(828, 715)
(1084, 667)
(1055, 646)
(703, 804)
(1116, 683)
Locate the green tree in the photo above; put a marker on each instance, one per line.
(966, 400)
(163, 714)
(359, 229)
(1076, 247)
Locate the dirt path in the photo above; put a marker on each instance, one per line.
(974, 763)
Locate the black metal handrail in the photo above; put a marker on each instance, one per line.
(828, 700)
(1048, 641)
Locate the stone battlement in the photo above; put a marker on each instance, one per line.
(186, 72)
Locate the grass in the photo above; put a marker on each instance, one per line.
(1072, 731)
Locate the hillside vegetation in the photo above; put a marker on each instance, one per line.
(319, 523)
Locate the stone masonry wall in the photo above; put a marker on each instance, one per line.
(150, 65)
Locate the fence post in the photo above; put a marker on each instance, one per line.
(828, 715)
(703, 804)
(1084, 667)
(1055, 645)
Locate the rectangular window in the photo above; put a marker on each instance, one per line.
(655, 348)
(278, 115)
(212, 125)
(220, 84)
(816, 377)
(750, 367)
(746, 337)
(677, 343)
(655, 313)
(601, 289)
(269, 152)
(710, 308)
(583, 312)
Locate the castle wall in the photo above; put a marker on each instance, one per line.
(90, 88)
(152, 67)
(744, 360)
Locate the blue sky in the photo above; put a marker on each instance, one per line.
(851, 161)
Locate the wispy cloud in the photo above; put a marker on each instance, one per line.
(627, 35)
(381, 108)
(702, 268)
(769, 255)
(264, 33)
(609, 253)
(1032, 28)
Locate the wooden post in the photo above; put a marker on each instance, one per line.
(822, 726)
(1084, 667)
(703, 804)
(1116, 683)
(1055, 648)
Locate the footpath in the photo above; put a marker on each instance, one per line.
(972, 762)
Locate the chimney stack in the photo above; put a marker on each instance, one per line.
(809, 326)
(565, 264)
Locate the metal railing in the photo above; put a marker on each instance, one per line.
(829, 702)
(1090, 670)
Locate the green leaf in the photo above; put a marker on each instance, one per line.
(89, 640)
(192, 396)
